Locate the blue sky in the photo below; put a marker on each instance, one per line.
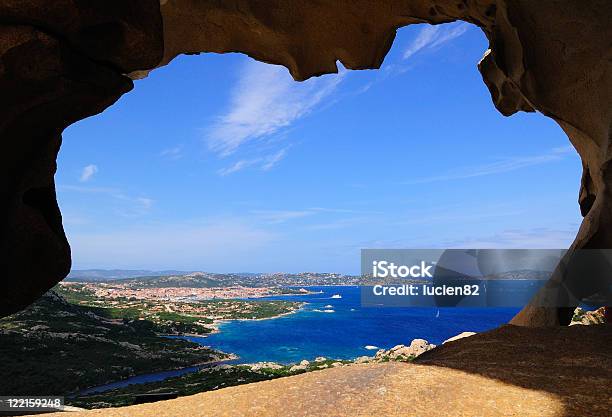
(220, 163)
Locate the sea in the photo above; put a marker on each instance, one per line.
(332, 324)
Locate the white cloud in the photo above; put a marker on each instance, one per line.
(342, 223)
(264, 101)
(174, 153)
(452, 216)
(534, 238)
(498, 167)
(266, 163)
(537, 238)
(135, 205)
(237, 166)
(281, 216)
(274, 159)
(431, 37)
(88, 172)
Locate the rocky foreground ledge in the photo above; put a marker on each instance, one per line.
(510, 371)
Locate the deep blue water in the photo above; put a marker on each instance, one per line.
(141, 379)
(344, 333)
(341, 334)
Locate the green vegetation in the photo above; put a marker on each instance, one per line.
(221, 376)
(70, 339)
(54, 347)
(203, 280)
(171, 281)
(207, 379)
(65, 343)
(174, 317)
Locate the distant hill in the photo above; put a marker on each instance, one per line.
(170, 278)
(193, 280)
(109, 274)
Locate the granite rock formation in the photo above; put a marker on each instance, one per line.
(60, 62)
(65, 60)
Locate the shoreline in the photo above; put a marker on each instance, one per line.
(231, 356)
(217, 323)
(215, 329)
(202, 365)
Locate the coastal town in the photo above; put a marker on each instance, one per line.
(115, 291)
(179, 310)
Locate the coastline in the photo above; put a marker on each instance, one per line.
(217, 323)
(216, 329)
(201, 365)
(256, 366)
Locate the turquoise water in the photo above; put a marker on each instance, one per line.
(344, 333)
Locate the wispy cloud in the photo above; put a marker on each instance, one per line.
(533, 238)
(264, 101)
(341, 223)
(88, 172)
(173, 153)
(428, 39)
(498, 167)
(136, 205)
(265, 163)
(274, 159)
(432, 37)
(537, 238)
(237, 166)
(282, 216)
(461, 215)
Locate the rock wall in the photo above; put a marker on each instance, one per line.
(60, 61)
(64, 60)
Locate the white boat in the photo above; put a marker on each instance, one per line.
(336, 296)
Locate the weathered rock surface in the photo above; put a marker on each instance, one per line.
(459, 336)
(45, 85)
(60, 62)
(125, 34)
(303, 365)
(552, 56)
(511, 371)
(403, 352)
(265, 365)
